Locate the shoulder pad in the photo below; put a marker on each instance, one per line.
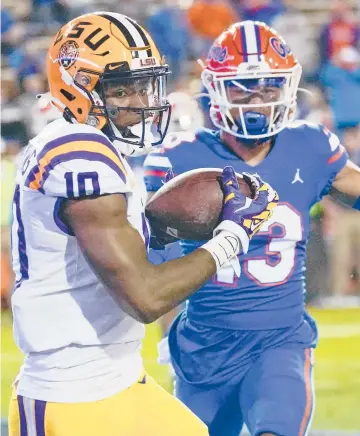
(74, 165)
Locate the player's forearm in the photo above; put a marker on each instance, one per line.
(173, 282)
(345, 200)
(149, 291)
(117, 254)
(143, 290)
(346, 187)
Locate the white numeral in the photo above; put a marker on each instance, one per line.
(278, 260)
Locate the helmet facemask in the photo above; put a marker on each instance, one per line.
(252, 106)
(134, 105)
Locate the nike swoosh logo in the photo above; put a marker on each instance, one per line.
(253, 226)
(247, 204)
(112, 67)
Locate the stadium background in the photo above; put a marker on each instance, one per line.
(325, 36)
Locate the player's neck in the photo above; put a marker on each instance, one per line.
(252, 156)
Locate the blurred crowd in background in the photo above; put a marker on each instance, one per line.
(323, 34)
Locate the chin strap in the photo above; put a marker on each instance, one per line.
(252, 143)
(126, 148)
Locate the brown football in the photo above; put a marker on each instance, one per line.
(189, 205)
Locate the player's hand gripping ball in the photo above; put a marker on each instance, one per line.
(249, 213)
(190, 205)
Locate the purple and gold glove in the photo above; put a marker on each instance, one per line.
(243, 211)
(241, 218)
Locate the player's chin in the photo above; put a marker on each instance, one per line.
(127, 123)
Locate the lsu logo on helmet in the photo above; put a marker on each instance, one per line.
(98, 55)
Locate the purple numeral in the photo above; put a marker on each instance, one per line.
(81, 178)
(23, 258)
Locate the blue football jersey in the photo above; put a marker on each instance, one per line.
(301, 166)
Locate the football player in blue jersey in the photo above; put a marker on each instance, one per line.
(246, 355)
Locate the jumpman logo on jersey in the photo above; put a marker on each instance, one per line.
(297, 177)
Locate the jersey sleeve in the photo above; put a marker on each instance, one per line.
(333, 158)
(78, 165)
(156, 165)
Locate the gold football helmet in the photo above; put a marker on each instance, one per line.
(105, 70)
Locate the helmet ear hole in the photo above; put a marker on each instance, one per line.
(67, 95)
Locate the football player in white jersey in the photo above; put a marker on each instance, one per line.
(84, 287)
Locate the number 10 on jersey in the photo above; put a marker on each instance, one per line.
(82, 184)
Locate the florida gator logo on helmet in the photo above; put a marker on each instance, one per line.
(248, 60)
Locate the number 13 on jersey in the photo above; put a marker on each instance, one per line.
(275, 264)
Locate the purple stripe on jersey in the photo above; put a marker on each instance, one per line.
(85, 155)
(23, 424)
(56, 214)
(258, 41)
(40, 417)
(243, 43)
(32, 174)
(64, 140)
(93, 137)
(23, 258)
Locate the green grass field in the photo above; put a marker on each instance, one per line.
(337, 373)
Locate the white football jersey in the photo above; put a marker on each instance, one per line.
(79, 344)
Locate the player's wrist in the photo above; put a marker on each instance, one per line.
(224, 248)
(235, 229)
